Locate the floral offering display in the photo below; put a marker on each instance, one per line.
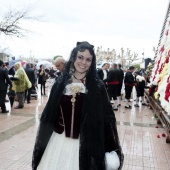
(160, 76)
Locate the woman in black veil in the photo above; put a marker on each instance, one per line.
(78, 125)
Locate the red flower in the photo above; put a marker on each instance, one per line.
(156, 126)
(167, 31)
(163, 135)
(168, 80)
(162, 66)
(159, 62)
(162, 49)
(156, 89)
(167, 59)
(158, 136)
(167, 92)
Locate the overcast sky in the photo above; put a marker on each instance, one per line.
(133, 24)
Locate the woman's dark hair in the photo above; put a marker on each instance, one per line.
(82, 46)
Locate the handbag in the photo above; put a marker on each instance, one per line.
(112, 161)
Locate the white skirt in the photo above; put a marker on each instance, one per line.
(61, 153)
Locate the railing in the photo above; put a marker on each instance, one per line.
(163, 118)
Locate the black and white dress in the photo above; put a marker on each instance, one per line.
(62, 151)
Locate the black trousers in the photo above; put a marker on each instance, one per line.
(2, 100)
(139, 91)
(128, 91)
(28, 94)
(43, 87)
(119, 88)
(113, 91)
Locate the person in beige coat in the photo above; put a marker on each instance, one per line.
(20, 84)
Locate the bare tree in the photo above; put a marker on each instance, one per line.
(13, 19)
(127, 58)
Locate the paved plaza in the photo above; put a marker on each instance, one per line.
(137, 129)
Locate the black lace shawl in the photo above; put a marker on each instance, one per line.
(98, 132)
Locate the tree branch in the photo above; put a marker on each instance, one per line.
(10, 24)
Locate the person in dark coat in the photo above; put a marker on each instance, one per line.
(84, 130)
(120, 79)
(129, 82)
(6, 68)
(103, 73)
(4, 80)
(31, 76)
(141, 84)
(42, 79)
(52, 72)
(112, 83)
(12, 71)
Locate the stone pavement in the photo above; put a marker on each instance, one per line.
(137, 130)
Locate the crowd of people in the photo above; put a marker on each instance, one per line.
(119, 82)
(19, 83)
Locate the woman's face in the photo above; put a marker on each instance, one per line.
(83, 61)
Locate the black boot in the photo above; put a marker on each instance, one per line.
(3, 108)
(5, 111)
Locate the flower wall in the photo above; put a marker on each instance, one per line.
(160, 75)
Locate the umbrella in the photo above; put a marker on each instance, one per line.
(23, 63)
(45, 63)
(12, 62)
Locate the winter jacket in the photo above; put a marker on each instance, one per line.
(19, 80)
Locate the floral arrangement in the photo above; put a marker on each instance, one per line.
(140, 78)
(149, 68)
(160, 76)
